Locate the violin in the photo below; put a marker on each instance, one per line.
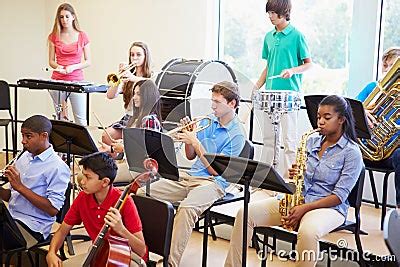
(116, 250)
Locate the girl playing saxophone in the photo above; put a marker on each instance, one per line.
(333, 165)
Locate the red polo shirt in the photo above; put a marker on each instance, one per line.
(86, 210)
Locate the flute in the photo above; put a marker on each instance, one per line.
(11, 162)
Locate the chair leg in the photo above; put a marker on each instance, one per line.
(254, 242)
(264, 251)
(384, 198)
(62, 253)
(30, 258)
(37, 259)
(212, 229)
(8, 260)
(6, 132)
(205, 238)
(373, 188)
(197, 226)
(13, 135)
(165, 262)
(19, 259)
(68, 239)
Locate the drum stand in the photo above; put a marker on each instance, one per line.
(59, 106)
(275, 117)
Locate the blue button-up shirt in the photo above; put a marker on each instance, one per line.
(46, 175)
(336, 172)
(227, 140)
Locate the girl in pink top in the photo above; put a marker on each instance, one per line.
(67, 45)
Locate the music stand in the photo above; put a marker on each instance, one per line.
(73, 139)
(248, 172)
(361, 124)
(9, 231)
(140, 144)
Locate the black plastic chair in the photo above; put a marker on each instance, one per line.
(208, 215)
(36, 249)
(5, 104)
(157, 220)
(355, 200)
(371, 168)
(391, 233)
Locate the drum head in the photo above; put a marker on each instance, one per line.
(185, 88)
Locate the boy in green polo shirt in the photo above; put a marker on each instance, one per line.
(287, 55)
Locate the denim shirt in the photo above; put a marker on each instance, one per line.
(336, 172)
(227, 140)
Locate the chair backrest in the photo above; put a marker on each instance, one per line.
(5, 103)
(391, 233)
(248, 150)
(157, 220)
(67, 203)
(355, 196)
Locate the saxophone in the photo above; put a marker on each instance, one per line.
(289, 201)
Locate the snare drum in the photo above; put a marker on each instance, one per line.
(185, 87)
(279, 101)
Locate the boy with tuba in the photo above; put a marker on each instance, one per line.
(389, 152)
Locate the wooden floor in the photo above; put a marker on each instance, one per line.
(370, 218)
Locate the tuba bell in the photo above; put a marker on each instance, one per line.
(384, 103)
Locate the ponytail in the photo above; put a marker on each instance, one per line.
(343, 108)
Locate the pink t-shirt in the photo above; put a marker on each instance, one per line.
(69, 54)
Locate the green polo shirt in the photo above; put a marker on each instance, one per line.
(284, 50)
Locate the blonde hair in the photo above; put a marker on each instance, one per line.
(391, 52)
(57, 25)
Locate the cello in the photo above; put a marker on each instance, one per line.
(115, 251)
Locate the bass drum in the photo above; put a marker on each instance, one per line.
(185, 88)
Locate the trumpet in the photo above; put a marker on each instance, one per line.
(189, 126)
(114, 79)
(11, 162)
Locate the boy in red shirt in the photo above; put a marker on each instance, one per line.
(94, 206)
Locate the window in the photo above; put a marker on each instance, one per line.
(391, 28)
(325, 23)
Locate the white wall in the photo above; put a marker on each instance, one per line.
(174, 28)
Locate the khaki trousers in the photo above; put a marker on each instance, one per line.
(314, 225)
(288, 139)
(195, 194)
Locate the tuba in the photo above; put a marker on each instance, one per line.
(383, 103)
(289, 201)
